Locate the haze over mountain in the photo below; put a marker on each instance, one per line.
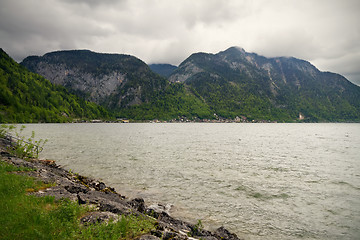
(164, 70)
(229, 84)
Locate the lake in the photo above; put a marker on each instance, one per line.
(261, 181)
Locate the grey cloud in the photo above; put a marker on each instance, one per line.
(212, 12)
(46, 28)
(354, 78)
(95, 3)
(325, 32)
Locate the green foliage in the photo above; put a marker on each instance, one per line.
(230, 99)
(23, 148)
(25, 216)
(26, 97)
(173, 102)
(196, 230)
(5, 129)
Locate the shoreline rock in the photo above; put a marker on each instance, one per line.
(109, 203)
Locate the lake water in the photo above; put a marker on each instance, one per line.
(261, 181)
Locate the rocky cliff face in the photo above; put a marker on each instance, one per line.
(96, 87)
(114, 80)
(237, 65)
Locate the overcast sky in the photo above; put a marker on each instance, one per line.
(324, 32)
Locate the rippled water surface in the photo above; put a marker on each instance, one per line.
(261, 181)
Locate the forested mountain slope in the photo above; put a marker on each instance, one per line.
(29, 97)
(234, 82)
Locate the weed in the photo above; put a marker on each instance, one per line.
(196, 229)
(23, 148)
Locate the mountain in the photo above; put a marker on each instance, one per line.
(234, 82)
(112, 80)
(164, 70)
(227, 85)
(121, 83)
(29, 97)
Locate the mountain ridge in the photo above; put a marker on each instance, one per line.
(281, 82)
(123, 84)
(228, 84)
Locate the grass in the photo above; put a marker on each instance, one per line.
(126, 228)
(24, 216)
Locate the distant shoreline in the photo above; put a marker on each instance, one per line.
(196, 121)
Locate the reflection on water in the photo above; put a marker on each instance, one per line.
(262, 181)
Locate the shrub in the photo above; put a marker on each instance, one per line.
(22, 147)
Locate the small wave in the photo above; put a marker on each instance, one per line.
(265, 196)
(312, 181)
(278, 169)
(332, 211)
(346, 184)
(241, 188)
(262, 196)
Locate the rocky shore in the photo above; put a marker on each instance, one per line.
(108, 203)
